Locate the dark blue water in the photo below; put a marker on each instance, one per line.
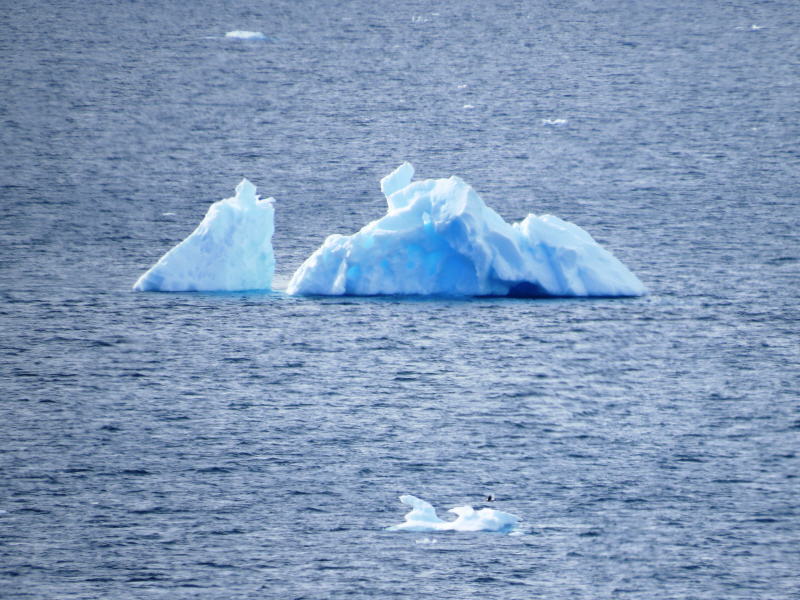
(253, 446)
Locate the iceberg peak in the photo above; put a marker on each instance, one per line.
(397, 180)
(246, 192)
(439, 238)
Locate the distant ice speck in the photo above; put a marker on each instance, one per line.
(245, 35)
(438, 238)
(755, 27)
(423, 517)
(462, 86)
(231, 250)
(554, 121)
(426, 541)
(168, 214)
(468, 106)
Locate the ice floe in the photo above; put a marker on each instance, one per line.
(423, 517)
(423, 541)
(245, 35)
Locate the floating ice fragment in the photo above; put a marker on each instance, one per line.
(468, 106)
(246, 35)
(439, 238)
(423, 517)
(554, 121)
(231, 250)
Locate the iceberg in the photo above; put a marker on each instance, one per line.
(423, 517)
(246, 35)
(439, 238)
(231, 250)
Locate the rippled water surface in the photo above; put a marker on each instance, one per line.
(254, 445)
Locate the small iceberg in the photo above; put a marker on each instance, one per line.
(439, 238)
(246, 35)
(423, 517)
(231, 250)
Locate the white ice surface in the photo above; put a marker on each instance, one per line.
(439, 238)
(246, 35)
(231, 250)
(423, 517)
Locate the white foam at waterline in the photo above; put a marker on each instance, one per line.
(423, 517)
(245, 35)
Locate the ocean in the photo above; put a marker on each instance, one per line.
(254, 445)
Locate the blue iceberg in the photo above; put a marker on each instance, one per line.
(231, 250)
(423, 517)
(439, 238)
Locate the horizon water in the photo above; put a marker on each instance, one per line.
(254, 445)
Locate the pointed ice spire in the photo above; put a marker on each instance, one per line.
(246, 193)
(397, 179)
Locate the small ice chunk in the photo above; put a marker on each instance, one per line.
(246, 35)
(423, 517)
(231, 250)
